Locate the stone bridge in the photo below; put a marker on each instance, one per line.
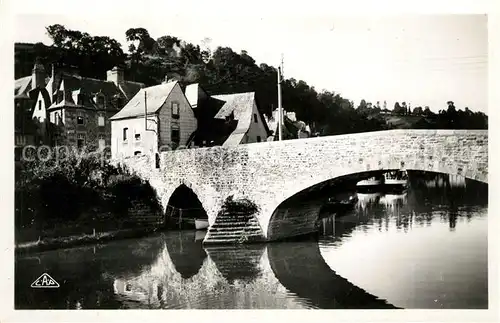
(270, 173)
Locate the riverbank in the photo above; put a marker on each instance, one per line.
(83, 239)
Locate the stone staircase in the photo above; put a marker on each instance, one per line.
(237, 262)
(234, 228)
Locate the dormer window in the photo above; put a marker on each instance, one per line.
(175, 110)
(99, 99)
(255, 119)
(79, 119)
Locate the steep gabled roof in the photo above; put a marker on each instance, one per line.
(156, 97)
(23, 85)
(241, 106)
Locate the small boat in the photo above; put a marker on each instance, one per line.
(201, 224)
(370, 182)
(396, 179)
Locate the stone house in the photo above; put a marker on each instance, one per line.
(157, 118)
(64, 108)
(78, 109)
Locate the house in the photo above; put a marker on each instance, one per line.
(210, 131)
(26, 90)
(192, 118)
(71, 110)
(157, 118)
(226, 119)
(80, 107)
(242, 107)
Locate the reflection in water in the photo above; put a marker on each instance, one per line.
(277, 275)
(424, 248)
(302, 270)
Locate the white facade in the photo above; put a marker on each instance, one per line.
(256, 131)
(168, 127)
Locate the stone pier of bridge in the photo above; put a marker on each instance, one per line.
(269, 174)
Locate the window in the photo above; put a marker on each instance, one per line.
(100, 120)
(40, 105)
(119, 102)
(79, 120)
(80, 140)
(137, 152)
(176, 136)
(125, 133)
(157, 160)
(137, 136)
(175, 110)
(79, 99)
(100, 100)
(56, 118)
(255, 118)
(258, 139)
(102, 142)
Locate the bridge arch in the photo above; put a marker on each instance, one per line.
(184, 198)
(284, 222)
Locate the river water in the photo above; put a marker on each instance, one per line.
(424, 249)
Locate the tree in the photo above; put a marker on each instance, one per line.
(92, 55)
(398, 109)
(404, 108)
(418, 111)
(140, 42)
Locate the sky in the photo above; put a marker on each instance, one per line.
(425, 60)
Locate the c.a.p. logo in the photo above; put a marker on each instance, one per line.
(45, 281)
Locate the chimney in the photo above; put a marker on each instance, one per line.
(116, 75)
(38, 75)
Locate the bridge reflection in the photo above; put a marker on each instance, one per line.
(280, 275)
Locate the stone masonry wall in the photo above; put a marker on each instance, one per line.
(269, 173)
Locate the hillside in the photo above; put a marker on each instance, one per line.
(222, 71)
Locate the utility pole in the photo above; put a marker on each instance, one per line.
(280, 108)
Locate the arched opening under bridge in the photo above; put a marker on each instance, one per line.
(184, 207)
(300, 212)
